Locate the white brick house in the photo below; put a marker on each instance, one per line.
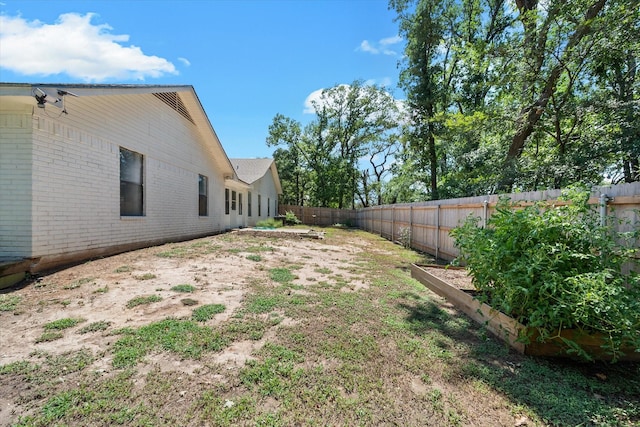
(261, 197)
(114, 168)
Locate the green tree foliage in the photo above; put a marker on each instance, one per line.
(519, 95)
(343, 154)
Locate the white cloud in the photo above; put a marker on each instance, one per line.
(383, 46)
(315, 96)
(76, 47)
(185, 61)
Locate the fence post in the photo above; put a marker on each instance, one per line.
(603, 209)
(393, 223)
(437, 230)
(485, 211)
(410, 224)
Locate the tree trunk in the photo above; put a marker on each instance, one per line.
(530, 115)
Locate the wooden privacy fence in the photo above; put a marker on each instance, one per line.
(425, 226)
(320, 216)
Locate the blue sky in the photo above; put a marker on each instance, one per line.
(248, 60)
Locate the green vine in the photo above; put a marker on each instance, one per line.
(556, 267)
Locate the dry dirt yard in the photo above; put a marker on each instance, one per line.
(303, 332)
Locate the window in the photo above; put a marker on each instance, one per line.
(233, 200)
(203, 192)
(226, 201)
(131, 183)
(259, 205)
(268, 206)
(240, 203)
(249, 203)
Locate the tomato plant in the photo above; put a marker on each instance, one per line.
(557, 267)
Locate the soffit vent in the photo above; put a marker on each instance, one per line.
(173, 100)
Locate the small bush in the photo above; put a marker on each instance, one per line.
(291, 218)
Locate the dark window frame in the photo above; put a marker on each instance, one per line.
(203, 195)
(131, 183)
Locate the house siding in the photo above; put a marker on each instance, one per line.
(71, 165)
(15, 184)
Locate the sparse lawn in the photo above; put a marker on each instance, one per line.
(310, 352)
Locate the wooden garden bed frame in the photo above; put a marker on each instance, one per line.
(507, 328)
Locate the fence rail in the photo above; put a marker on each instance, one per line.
(426, 225)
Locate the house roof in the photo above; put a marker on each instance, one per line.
(181, 98)
(251, 170)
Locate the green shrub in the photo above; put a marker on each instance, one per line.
(554, 268)
(291, 218)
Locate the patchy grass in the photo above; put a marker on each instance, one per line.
(124, 269)
(281, 275)
(206, 312)
(143, 300)
(184, 288)
(101, 325)
(388, 354)
(189, 302)
(182, 337)
(77, 283)
(146, 276)
(60, 324)
(9, 302)
(254, 257)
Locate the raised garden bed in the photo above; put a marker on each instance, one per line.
(505, 327)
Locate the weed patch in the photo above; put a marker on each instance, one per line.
(143, 300)
(9, 302)
(183, 337)
(61, 324)
(185, 288)
(206, 312)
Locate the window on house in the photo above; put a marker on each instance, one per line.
(203, 192)
(226, 201)
(249, 203)
(259, 205)
(131, 183)
(233, 200)
(268, 206)
(240, 203)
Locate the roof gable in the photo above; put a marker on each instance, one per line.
(251, 170)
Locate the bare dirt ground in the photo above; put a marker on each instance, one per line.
(351, 340)
(99, 290)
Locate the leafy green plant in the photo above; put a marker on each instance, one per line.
(291, 218)
(555, 268)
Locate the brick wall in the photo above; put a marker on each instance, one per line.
(15, 184)
(76, 183)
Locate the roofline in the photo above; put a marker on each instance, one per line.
(26, 89)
